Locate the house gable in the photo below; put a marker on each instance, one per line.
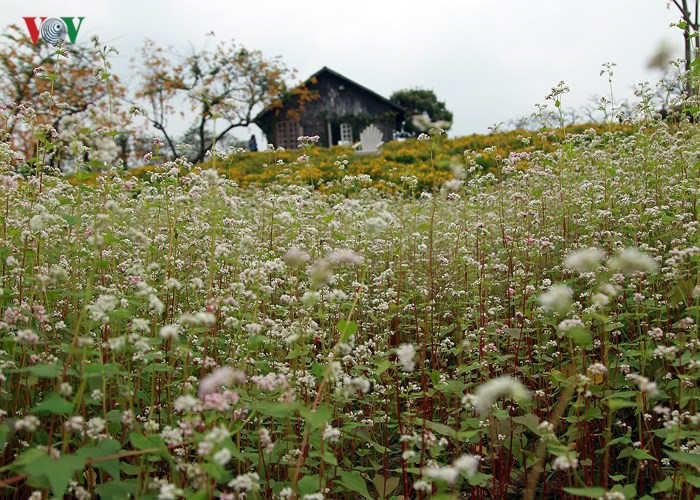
(340, 109)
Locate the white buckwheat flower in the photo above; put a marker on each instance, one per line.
(597, 369)
(220, 377)
(631, 260)
(584, 260)
(245, 482)
(645, 385)
(331, 434)
(406, 353)
(565, 462)
(169, 332)
(447, 474)
(487, 394)
(467, 464)
(556, 299)
(222, 457)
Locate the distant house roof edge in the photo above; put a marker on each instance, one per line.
(369, 91)
(326, 69)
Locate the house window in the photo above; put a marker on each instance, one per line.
(287, 133)
(345, 133)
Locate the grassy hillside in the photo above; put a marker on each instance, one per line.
(327, 167)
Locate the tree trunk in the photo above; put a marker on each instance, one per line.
(202, 146)
(160, 127)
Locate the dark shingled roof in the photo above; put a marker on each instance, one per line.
(329, 71)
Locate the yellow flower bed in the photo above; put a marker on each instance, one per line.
(327, 167)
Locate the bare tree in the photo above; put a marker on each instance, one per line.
(72, 75)
(691, 39)
(229, 84)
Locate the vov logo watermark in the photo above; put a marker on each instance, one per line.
(53, 29)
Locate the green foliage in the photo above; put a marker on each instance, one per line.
(418, 101)
(586, 492)
(45, 471)
(54, 404)
(354, 482)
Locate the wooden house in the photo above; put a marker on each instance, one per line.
(337, 110)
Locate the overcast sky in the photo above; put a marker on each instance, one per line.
(489, 60)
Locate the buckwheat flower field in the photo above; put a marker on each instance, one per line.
(526, 329)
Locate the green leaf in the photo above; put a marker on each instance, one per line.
(579, 336)
(120, 314)
(157, 367)
(200, 495)
(382, 367)
(152, 442)
(72, 220)
(629, 490)
(693, 480)
(277, 410)
(593, 492)
(443, 429)
(103, 449)
(317, 418)
(530, 421)
(27, 458)
(327, 456)
(44, 371)
(635, 453)
(106, 370)
(4, 434)
(116, 490)
(256, 340)
(684, 458)
(354, 482)
(616, 404)
(362, 434)
(54, 404)
(664, 485)
(385, 488)
(642, 455)
(346, 329)
(58, 472)
(213, 470)
(132, 470)
(307, 485)
(592, 413)
(317, 369)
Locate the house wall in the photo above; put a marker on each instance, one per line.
(337, 98)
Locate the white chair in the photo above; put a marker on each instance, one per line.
(370, 140)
